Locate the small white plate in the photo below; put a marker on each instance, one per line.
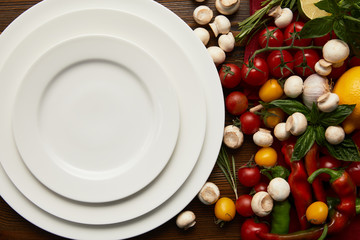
(182, 73)
(93, 114)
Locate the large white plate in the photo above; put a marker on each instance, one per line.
(206, 73)
(182, 75)
(79, 118)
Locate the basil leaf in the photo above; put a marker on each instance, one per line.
(314, 114)
(317, 27)
(320, 135)
(304, 143)
(277, 171)
(345, 151)
(340, 30)
(291, 106)
(325, 5)
(337, 116)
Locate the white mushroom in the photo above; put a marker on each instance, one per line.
(283, 16)
(296, 124)
(263, 138)
(227, 7)
(186, 220)
(262, 204)
(279, 189)
(293, 86)
(323, 67)
(280, 132)
(233, 137)
(227, 42)
(336, 51)
(217, 54)
(199, 0)
(203, 15)
(202, 34)
(334, 134)
(221, 25)
(209, 193)
(328, 102)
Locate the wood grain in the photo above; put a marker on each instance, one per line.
(13, 226)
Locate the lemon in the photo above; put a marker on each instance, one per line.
(308, 9)
(347, 88)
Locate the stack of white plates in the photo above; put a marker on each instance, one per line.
(111, 116)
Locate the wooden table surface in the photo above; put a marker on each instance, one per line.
(14, 227)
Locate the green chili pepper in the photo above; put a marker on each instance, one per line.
(281, 217)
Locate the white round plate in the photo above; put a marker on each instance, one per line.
(79, 119)
(205, 72)
(183, 76)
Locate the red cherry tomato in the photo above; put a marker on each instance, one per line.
(271, 35)
(320, 41)
(291, 34)
(236, 103)
(328, 162)
(337, 72)
(249, 176)
(255, 73)
(280, 63)
(354, 172)
(354, 61)
(243, 205)
(250, 123)
(230, 75)
(250, 229)
(261, 186)
(305, 62)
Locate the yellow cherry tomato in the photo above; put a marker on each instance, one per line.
(266, 157)
(225, 209)
(270, 90)
(273, 116)
(317, 212)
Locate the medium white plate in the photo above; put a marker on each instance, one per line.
(183, 76)
(205, 72)
(79, 118)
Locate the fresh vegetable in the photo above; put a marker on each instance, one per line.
(249, 176)
(280, 217)
(227, 7)
(220, 25)
(291, 35)
(270, 90)
(334, 135)
(225, 209)
(273, 116)
(236, 103)
(250, 230)
(317, 212)
(347, 88)
(296, 123)
(263, 138)
(255, 72)
(186, 220)
(304, 62)
(209, 193)
(262, 204)
(202, 34)
(250, 123)
(271, 36)
(354, 171)
(299, 186)
(281, 133)
(243, 205)
(279, 189)
(203, 14)
(226, 42)
(261, 186)
(281, 63)
(308, 10)
(314, 86)
(233, 137)
(230, 75)
(217, 54)
(282, 16)
(311, 165)
(293, 86)
(228, 169)
(328, 102)
(266, 157)
(329, 162)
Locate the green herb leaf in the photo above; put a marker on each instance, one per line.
(320, 135)
(277, 171)
(337, 116)
(314, 114)
(291, 106)
(325, 5)
(317, 27)
(228, 169)
(304, 143)
(345, 151)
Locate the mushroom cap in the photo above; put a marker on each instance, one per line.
(335, 51)
(284, 19)
(203, 15)
(221, 25)
(203, 35)
(279, 189)
(227, 42)
(186, 220)
(334, 134)
(280, 132)
(209, 193)
(227, 7)
(293, 86)
(217, 54)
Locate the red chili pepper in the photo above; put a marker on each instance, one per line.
(340, 217)
(299, 186)
(311, 164)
